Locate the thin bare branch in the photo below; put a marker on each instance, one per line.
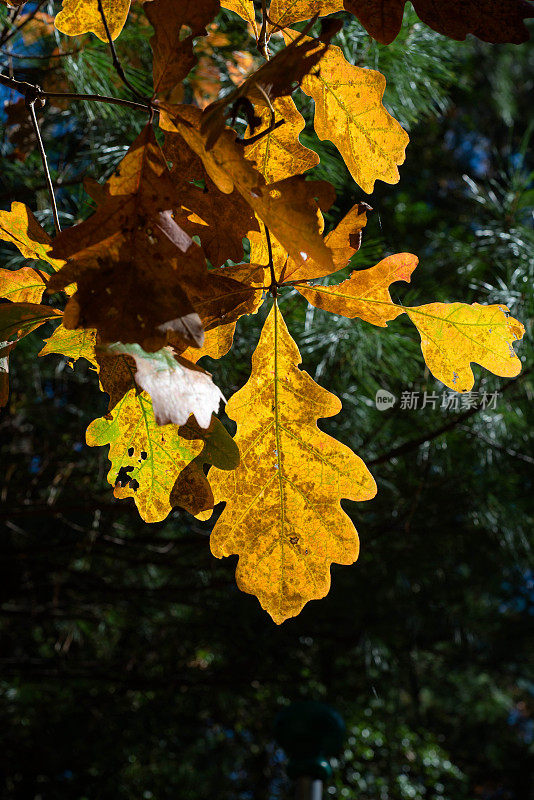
(30, 103)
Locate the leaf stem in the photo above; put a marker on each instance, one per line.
(273, 288)
(30, 103)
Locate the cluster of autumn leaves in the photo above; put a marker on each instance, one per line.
(154, 281)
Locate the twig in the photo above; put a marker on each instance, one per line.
(24, 88)
(9, 22)
(256, 138)
(263, 40)
(115, 58)
(30, 103)
(39, 57)
(29, 18)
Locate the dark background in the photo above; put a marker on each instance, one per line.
(131, 666)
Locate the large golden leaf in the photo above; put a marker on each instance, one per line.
(455, 334)
(83, 16)
(283, 515)
(20, 227)
(350, 113)
(366, 293)
(146, 458)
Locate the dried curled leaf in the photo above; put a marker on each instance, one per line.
(146, 458)
(178, 387)
(83, 16)
(455, 334)
(489, 20)
(366, 293)
(350, 113)
(283, 515)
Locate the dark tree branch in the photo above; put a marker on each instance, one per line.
(24, 88)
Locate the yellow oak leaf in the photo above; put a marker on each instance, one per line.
(83, 16)
(146, 458)
(350, 113)
(343, 242)
(20, 227)
(283, 515)
(73, 344)
(279, 154)
(455, 334)
(23, 285)
(366, 293)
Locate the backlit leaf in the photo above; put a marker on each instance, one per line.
(280, 154)
(72, 344)
(350, 113)
(146, 458)
(20, 227)
(455, 334)
(283, 515)
(83, 16)
(286, 12)
(23, 285)
(366, 293)
(245, 9)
